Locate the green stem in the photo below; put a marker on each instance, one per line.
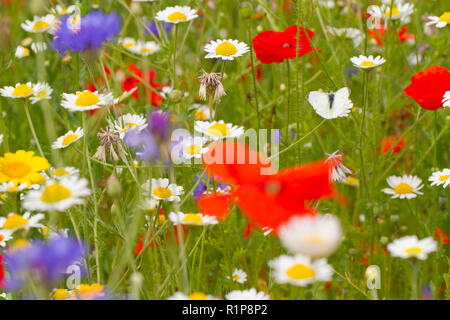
(252, 63)
(33, 132)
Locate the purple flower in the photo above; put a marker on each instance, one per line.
(45, 262)
(152, 27)
(202, 186)
(159, 124)
(144, 144)
(95, 28)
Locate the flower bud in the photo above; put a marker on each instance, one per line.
(176, 95)
(113, 187)
(246, 10)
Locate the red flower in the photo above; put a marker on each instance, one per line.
(441, 236)
(392, 142)
(272, 46)
(268, 199)
(428, 87)
(2, 273)
(379, 34)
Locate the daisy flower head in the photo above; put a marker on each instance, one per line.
(145, 48)
(162, 190)
(201, 112)
(238, 275)
(21, 90)
(128, 43)
(59, 173)
(314, 236)
(338, 170)
(404, 187)
(176, 14)
(5, 235)
(59, 10)
(225, 49)
(196, 219)
(369, 62)
(250, 294)
(128, 122)
(412, 247)
(446, 100)
(85, 100)
(440, 178)
(22, 52)
(58, 195)
(67, 139)
(217, 130)
(41, 91)
(192, 296)
(193, 147)
(348, 33)
(14, 221)
(10, 186)
(124, 95)
(441, 21)
(39, 24)
(22, 167)
(300, 270)
(400, 11)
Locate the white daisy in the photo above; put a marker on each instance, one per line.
(162, 190)
(15, 221)
(338, 170)
(441, 21)
(351, 181)
(201, 112)
(38, 46)
(11, 186)
(58, 195)
(61, 11)
(364, 62)
(59, 173)
(192, 296)
(128, 122)
(238, 275)
(128, 43)
(440, 178)
(193, 147)
(250, 294)
(190, 218)
(348, 33)
(299, 270)
(145, 48)
(41, 91)
(405, 187)
(22, 52)
(124, 95)
(39, 24)
(400, 11)
(315, 236)
(225, 49)
(5, 235)
(216, 130)
(85, 100)
(176, 14)
(19, 91)
(67, 139)
(412, 247)
(446, 100)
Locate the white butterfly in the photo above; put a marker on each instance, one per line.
(331, 105)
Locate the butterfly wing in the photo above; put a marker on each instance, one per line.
(342, 104)
(320, 101)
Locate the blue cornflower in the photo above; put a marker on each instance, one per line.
(152, 27)
(94, 29)
(202, 185)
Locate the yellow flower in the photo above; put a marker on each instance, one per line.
(89, 291)
(22, 167)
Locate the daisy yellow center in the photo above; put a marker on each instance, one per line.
(17, 169)
(131, 124)
(197, 296)
(86, 290)
(12, 189)
(445, 17)
(22, 91)
(403, 188)
(162, 192)
(146, 50)
(177, 16)
(41, 94)
(161, 219)
(367, 64)
(26, 52)
(219, 130)
(39, 25)
(352, 180)
(61, 294)
(128, 44)
(192, 218)
(444, 178)
(236, 277)
(300, 271)
(314, 239)
(200, 115)
(55, 193)
(60, 172)
(14, 221)
(414, 250)
(87, 99)
(193, 149)
(392, 12)
(69, 139)
(226, 49)
(64, 11)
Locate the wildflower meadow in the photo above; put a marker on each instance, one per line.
(224, 150)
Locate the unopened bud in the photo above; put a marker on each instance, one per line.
(246, 10)
(176, 95)
(26, 42)
(113, 187)
(66, 59)
(384, 240)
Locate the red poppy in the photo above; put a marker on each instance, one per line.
(273, 46)
(392, 143)
(379, 34)
(428, 87)
(2, 273)
(441, 236)
(140, 244)
(258, 72)
(268, 199)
